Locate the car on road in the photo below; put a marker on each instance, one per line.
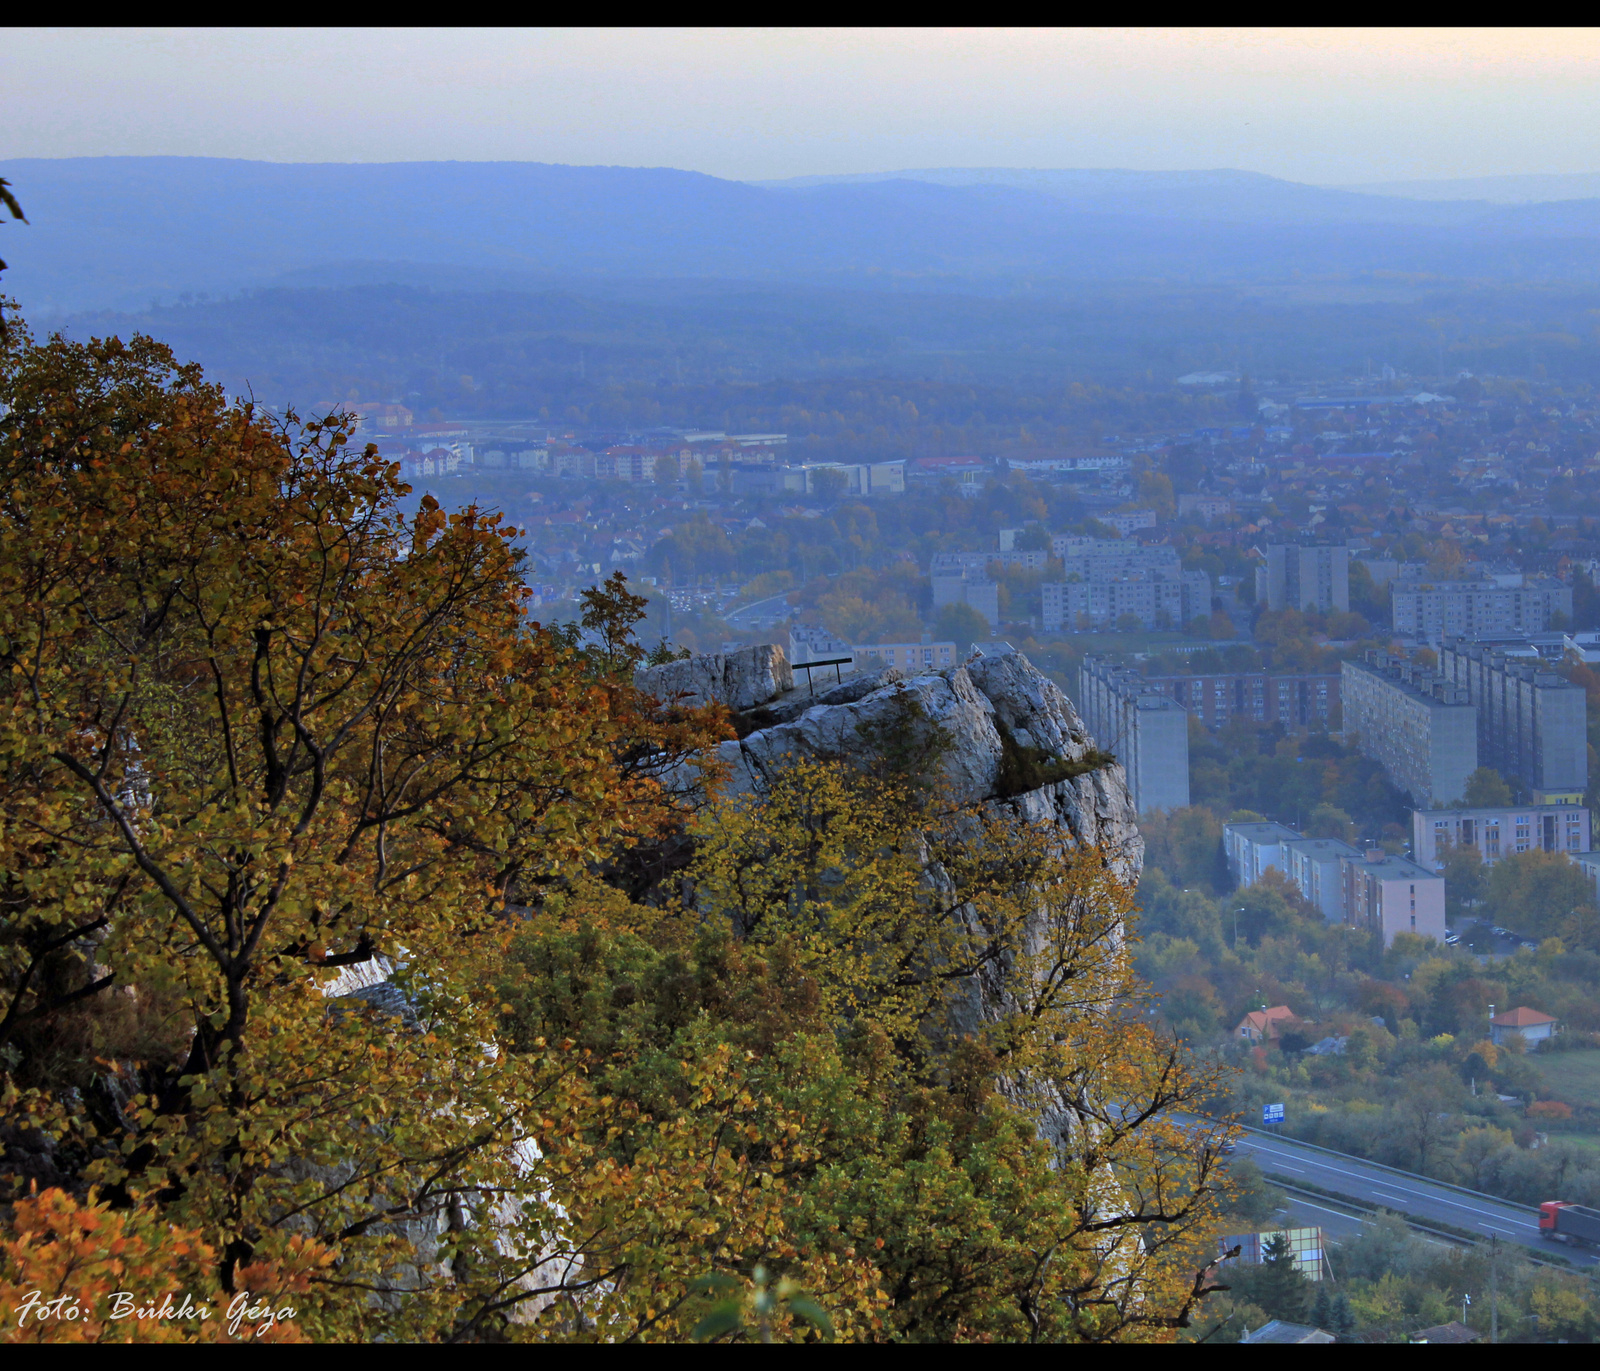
(1451, 939)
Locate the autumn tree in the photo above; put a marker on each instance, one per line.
(940, 1084)
(1486, 789)
(328, 960)
(1540, 894)
(259, 731)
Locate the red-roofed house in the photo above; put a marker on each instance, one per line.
(1265, 1023)
(1534, 1026)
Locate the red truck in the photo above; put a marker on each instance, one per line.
(1574, 1223)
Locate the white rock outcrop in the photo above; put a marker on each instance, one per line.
(740, 680)
(989, 703)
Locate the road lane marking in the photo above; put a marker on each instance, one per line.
(1296, 1202)
(1431, 1195)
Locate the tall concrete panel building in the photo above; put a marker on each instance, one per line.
(1299, 577)
(1532, 723)
(1086, 557)
(1419, 726)
(1295, 701)
(1147, 732)
(1370, 890)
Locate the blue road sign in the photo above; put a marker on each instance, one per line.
(1272, 1113)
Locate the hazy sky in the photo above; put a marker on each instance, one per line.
(1330, 106)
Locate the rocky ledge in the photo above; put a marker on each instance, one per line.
(995, 729)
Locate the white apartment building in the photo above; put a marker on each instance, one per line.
(1429, 611)
(1316, 866)
(1392, 895)
(1299, 577)
(971, 588)
(813, 643)
(1157, 599)
(1499, 832)
(1371, 890)
(1255, 848)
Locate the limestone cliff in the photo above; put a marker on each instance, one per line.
(1009, 736)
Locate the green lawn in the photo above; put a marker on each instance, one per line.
(1572, 1076)
(1565, 1134)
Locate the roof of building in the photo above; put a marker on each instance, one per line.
(1259, 832)
(1263, 1020)
(1454, 1331)
(1334, 847)
(1574, 809)
(1399, 869)
(1280, 1330)
(1521, 1017)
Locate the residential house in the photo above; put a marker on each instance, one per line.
(1266, 1024)
(1530, 1023)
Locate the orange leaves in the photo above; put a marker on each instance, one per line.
(72, 1272)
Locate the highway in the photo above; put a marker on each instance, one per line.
(759, 613)
(1402, 1192)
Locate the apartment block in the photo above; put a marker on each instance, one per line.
(967, 588)
(919, 656)
(1532, 723)
(625, 463)
(1418, 726)
(952, 563)
(1157, 599)
(1253, 849)
(1088, 557)
(1207, 507)
(1430, 611)
(1392, 895)
(1147, 733)
(1589, 864)
(813, 643)
(1299, 577)
(1130, 521)
(1370, 890)
(1295, 701)
(1499, 832)
(1316, 866)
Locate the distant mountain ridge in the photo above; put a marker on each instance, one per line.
(1498, 190)
(1222, 194)
(121, 232)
